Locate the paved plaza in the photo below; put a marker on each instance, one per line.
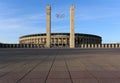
(59, 65)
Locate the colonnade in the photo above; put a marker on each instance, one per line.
(59, 45)
(99, 46)
(21, 46)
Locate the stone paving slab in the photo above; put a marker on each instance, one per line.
(59, 68)
(104, 74)
(58, 74)
(59, 65)
(110, 80)
(81, 75)
(85, 81)
(58, 81)
(32, 81)
(37, 75)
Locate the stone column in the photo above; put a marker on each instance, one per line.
(98, 45)
(88, 45)
(72, 35)
(95, 45)
(92, 46)
(112, 45)
(48, 26)
(81, 46)
(116, 45)
(62, 41)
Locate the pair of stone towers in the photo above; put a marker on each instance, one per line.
(48, 27)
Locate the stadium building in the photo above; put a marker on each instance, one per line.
(60, 39)
(49, 39)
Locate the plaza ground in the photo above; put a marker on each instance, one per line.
(60, 65)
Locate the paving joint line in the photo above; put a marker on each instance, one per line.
(68, 69)
(99, 81)
(50, 68)
(110, 70)
(31, 70)
(9, 71)
(105, 69)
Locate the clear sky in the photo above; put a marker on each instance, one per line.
(22, 17)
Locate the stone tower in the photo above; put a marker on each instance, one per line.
(72, 35)
(48, 26)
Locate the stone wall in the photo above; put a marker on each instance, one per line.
(100, 45)
(42, 46)
(21, 46)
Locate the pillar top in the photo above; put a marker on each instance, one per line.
(48, 6)
(72, 5)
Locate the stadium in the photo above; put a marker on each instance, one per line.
(60, 39)
(67, 40)
(48, 39)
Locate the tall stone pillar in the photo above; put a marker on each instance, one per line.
(48, 26)
(72, 35)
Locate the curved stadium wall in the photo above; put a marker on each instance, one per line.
(60, 39)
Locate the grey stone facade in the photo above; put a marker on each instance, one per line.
(60, 39)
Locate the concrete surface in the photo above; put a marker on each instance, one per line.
(59, 65)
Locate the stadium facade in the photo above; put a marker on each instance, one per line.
(49, 39)
(60, 39)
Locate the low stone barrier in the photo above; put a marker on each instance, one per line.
(42, 46)
(100, 46)
(21, 46)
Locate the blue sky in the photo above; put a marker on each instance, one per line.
(22, 17)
